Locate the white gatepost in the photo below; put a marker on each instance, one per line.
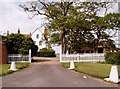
(60, 53)
(30, 55)
(113, 77)
(13, 66)
(72, 66)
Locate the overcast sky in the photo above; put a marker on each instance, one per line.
(13, 17)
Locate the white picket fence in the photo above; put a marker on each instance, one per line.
(92, 57)
(19, 57)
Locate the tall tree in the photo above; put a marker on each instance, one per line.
(69, 16)
(52, 10)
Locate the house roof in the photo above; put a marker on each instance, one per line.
(87, 48)
(36, 30)
(28, 35)
(115, 48)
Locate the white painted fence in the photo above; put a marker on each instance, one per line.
(19, 57)
(92, 57)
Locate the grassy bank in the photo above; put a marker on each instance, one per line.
(4, 68)
(98, 70)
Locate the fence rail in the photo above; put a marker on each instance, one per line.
(82, 57)
(19, 57)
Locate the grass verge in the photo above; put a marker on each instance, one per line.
(4, 68)
(98, 70)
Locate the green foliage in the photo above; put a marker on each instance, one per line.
(55, 38)
(44, 52)
(112, 58)
(94, 69)
(77, 21)
(19, 44)
(4, 68)
(113, 19)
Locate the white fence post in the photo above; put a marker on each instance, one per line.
(78, 58)
(19, 57)
(113, 77)
(30, 55)
(13, 66)
(82, 57)
(60, 53)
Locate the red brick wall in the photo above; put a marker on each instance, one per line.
(3, 53)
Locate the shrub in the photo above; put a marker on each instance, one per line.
(112, 58)
(44, 52)
(19, 44)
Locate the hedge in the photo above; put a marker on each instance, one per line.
(112, 58)
(44, 52)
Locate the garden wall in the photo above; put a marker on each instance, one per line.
(3, 53)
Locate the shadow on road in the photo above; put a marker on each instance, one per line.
(40, 60)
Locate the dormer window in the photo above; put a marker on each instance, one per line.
(37, 36)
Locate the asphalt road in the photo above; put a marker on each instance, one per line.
(49, 73)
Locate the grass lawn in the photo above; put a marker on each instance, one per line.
(4, 68)
(98, 70)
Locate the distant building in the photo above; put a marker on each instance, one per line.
(28, 35)
(37, 37)
(101, 48)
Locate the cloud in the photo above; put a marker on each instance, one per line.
(13, 17)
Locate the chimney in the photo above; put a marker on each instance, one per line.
(30, 34)
(7, 33)
(19, 30)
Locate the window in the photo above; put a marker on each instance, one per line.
(37, 36)
(91, 51)
(40, 42)
(100, 50)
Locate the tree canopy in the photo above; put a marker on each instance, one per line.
(76, 23)
(19, 44)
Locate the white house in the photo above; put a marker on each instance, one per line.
(37, 37)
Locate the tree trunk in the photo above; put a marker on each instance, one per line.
(97, 46)
(63, 41)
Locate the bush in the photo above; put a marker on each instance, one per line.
(44, 52)
(19, 44)
(112, 58)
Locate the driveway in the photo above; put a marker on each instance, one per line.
(47, 72)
